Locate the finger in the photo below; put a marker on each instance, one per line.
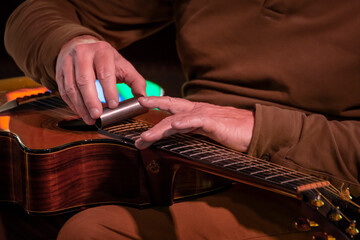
(140, 144)
(61, 67)
(148, 138)
(170, 104)
(85, 81)
(71, 94)
(162, 130)
(127, 74)
(157, 132)
(61, 89)
(188, 122)
(105, 73)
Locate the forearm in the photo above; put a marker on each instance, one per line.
(36, 31)
(308, 142)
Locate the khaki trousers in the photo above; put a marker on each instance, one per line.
(240, 212)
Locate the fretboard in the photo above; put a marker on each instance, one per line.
(220, 160)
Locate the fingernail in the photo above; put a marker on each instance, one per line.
(142, 145)
(146, 134)
(94, 112)
(139, 144)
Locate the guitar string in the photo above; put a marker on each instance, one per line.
(58, 103)
(342, 197)
(253, 162)
(189, 139)
(332, 190)
(250, 165)
(65, 109)
(125, 128)
(260, 164)
(330, 203)
(199, 146)
(267, 163)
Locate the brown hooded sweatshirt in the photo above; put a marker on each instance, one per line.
(296, 63)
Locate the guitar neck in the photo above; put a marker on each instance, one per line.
(204, 154)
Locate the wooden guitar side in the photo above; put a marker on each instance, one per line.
(47, 168)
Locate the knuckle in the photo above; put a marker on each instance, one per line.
(199, 106)
(104, 75)
(102, 45)
(171, 100)
(78, 50)
(69, 91)
(120, 73)
(82, 80)
(124, 69)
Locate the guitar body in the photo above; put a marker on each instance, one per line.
(51, 162)
(47, 165)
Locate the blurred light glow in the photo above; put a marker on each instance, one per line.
(152, 89)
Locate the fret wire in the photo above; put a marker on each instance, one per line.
(134, 138)
(229, 158)
(203, 158)
(185, 141)
(195, 154)
(256, 160)
(279, 175)
(202, 150)
(188, 150)
(295, 176)
(123, 132)
(291, 180)
(249, 166)
(166, 146)
(190, 145)
(282, 169)
(126, 128)
(300, 176)
(211, 151)
(271, 171)
(231, 164)
(210, 148)
(129, 123)
(131, 135)
(267, 170)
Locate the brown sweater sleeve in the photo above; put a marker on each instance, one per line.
(37, 29)
(301, 141)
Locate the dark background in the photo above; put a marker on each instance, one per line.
(7, 66)
(154, 57)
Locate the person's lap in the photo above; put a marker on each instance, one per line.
(241, 212)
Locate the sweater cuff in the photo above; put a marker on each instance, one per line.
(274, 129)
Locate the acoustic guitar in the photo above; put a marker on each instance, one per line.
(52, 162)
